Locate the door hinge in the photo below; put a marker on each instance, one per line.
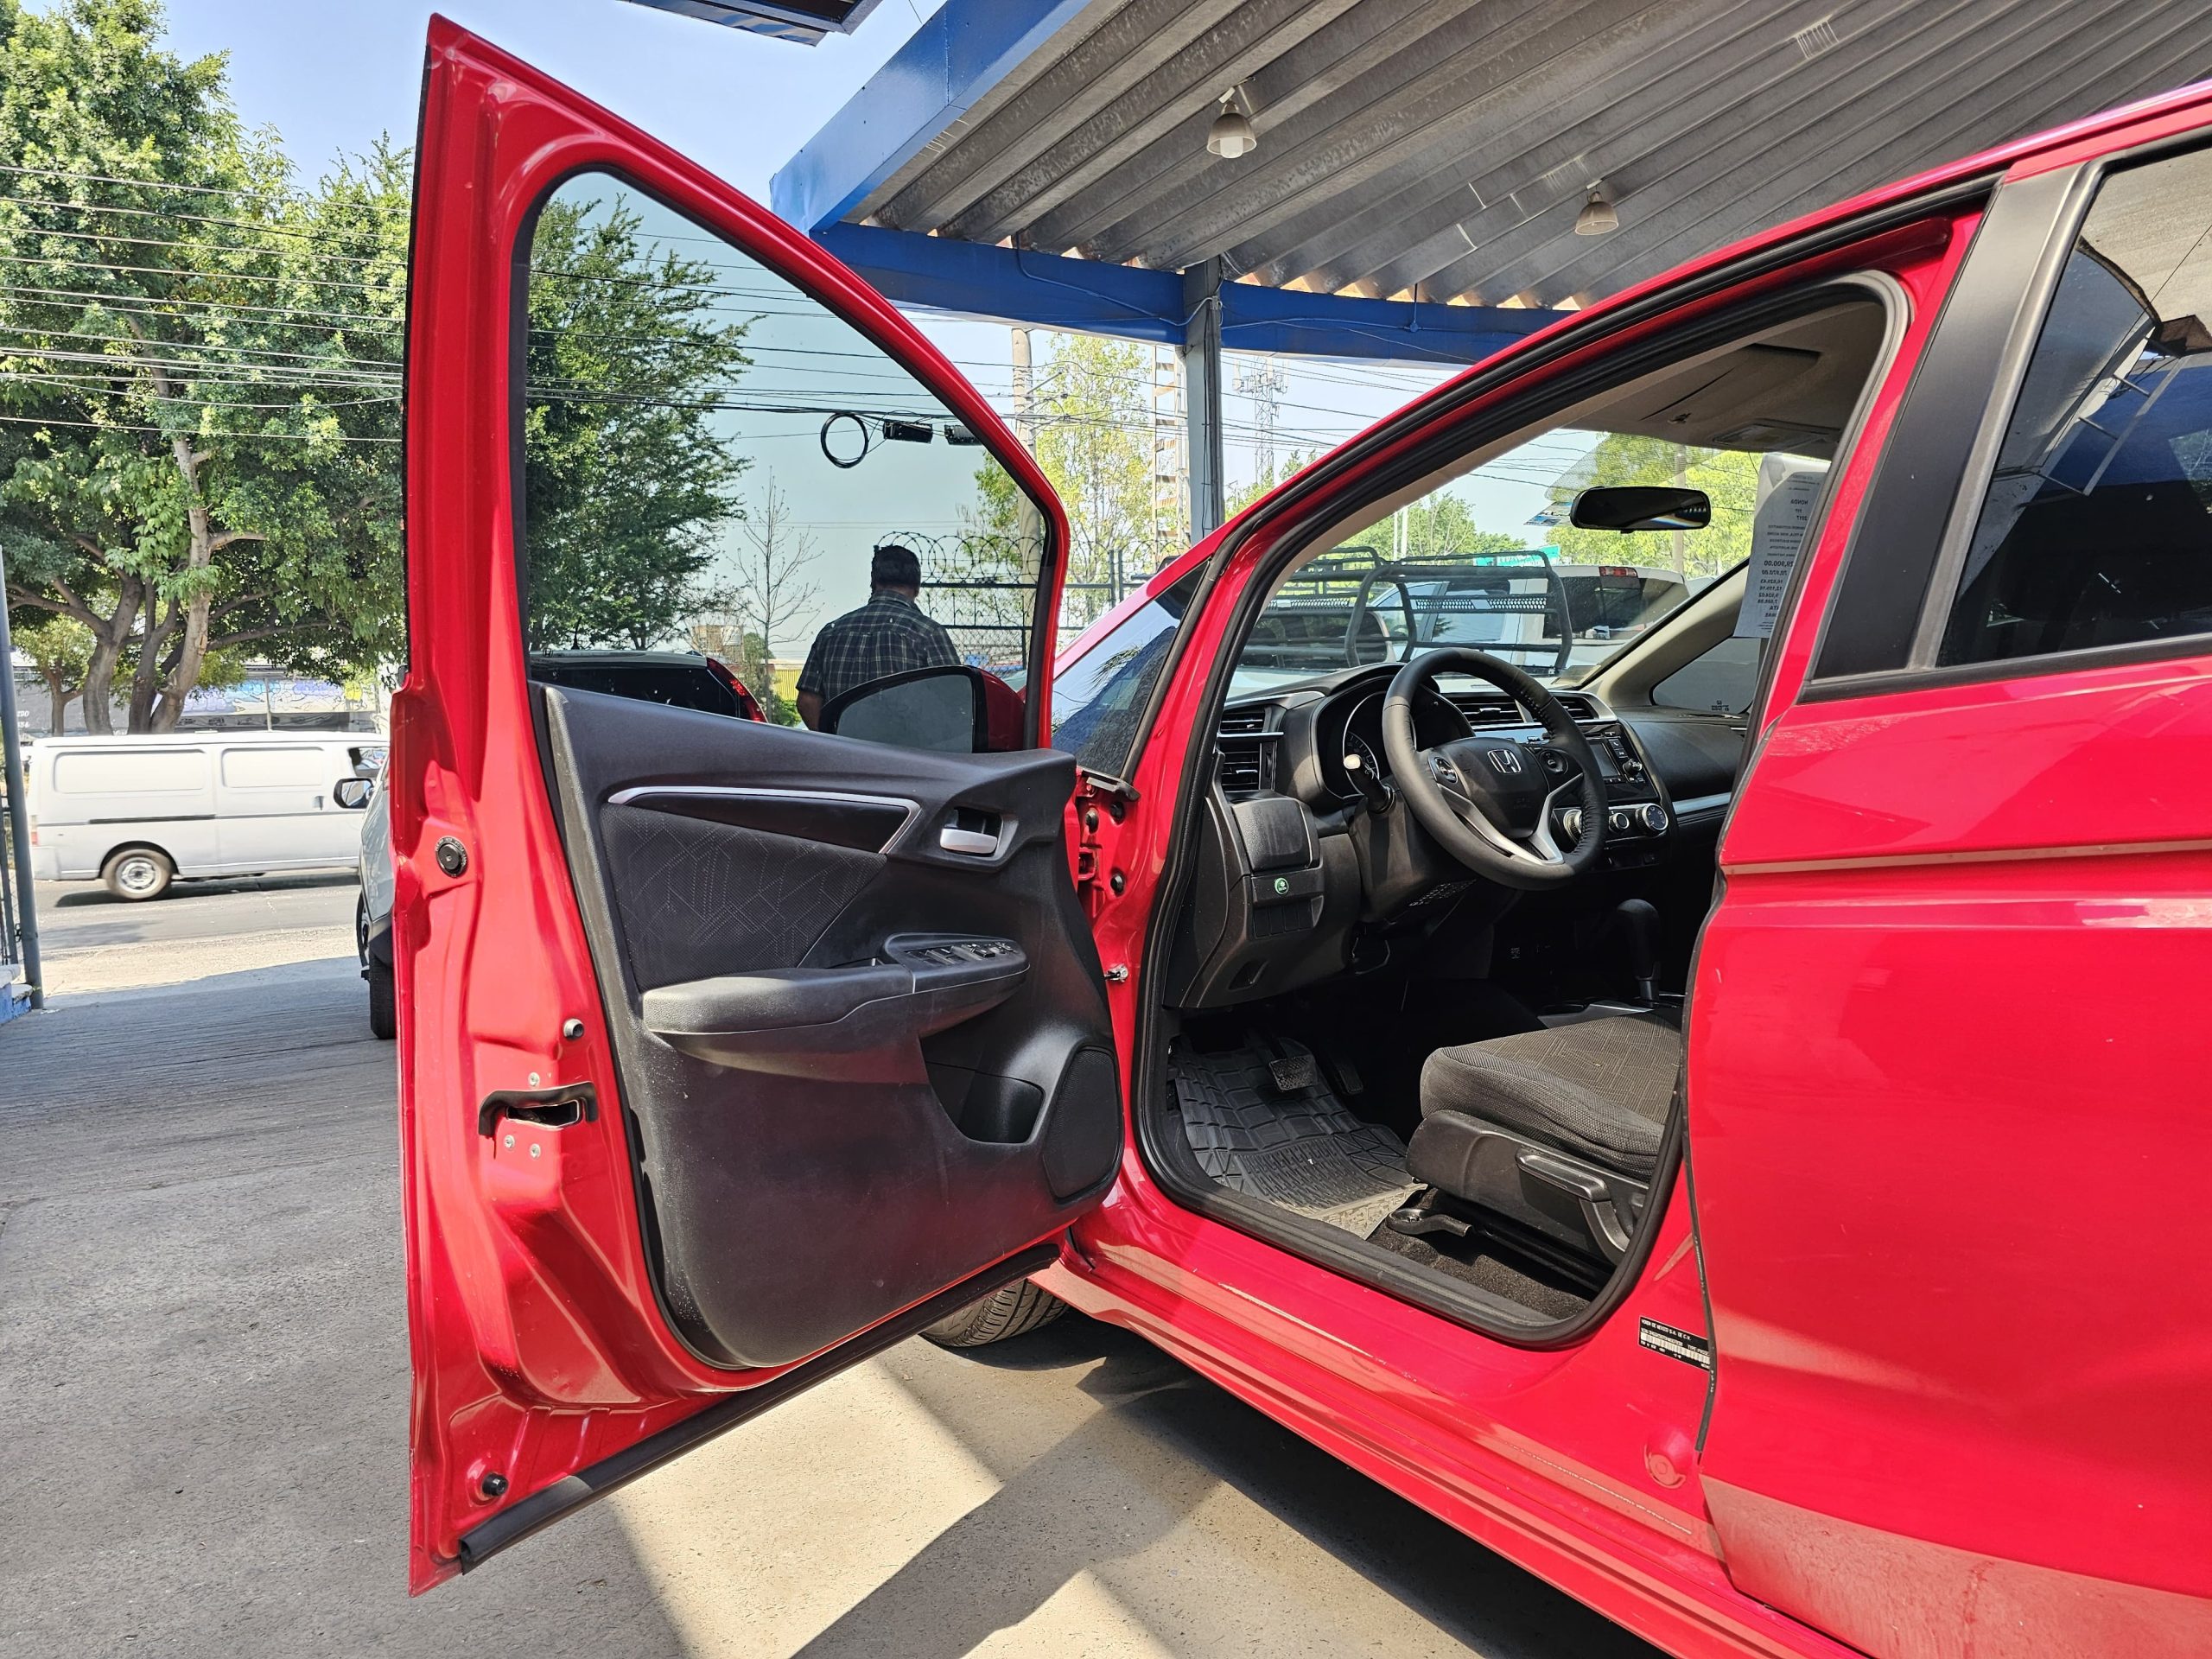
(1099, 797)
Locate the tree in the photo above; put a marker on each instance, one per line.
(1729, 476)
(1440, 528)
(61, 649)
(627, 482)
(773, 593)
(1091, 420)
(195, 359)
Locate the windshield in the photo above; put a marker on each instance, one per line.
(1491, 559)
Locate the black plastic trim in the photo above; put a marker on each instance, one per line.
(1873, 616)
(564, 1497)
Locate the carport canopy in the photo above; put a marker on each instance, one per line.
(1421, 165)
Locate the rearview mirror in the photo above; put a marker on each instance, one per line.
(1641, 507)
(954, 710)
(352, 794)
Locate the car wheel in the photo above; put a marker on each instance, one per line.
(1012, 1310)
(137, 873)
(384, 1009)
(361, 932)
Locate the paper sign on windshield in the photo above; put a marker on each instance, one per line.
(1777, 534)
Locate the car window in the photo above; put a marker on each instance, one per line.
(2094, 530)
(716, 463)
(1491, 558)
(1721, 681)
(1098, 698)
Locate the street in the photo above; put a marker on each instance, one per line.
(203, 1345)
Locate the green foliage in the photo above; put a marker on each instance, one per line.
(1271, 475)
(1440, 528)
(627, 483)
(190, 464)
(1729, 476)
(60, 649)
(1090, 414)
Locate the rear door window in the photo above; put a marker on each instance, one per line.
(2095, 531)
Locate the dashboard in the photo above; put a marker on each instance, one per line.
(1319, 858)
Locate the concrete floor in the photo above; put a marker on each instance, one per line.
(203, 1352)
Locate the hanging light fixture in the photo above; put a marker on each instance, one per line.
(1231, 134)
(1596, 217)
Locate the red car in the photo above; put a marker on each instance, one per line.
(1717, 1127)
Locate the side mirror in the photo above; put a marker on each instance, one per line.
(950, 710)
(352, 794)
(1641, 507)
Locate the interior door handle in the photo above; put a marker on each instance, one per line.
(969, 843)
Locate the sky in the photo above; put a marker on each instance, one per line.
(329, 78)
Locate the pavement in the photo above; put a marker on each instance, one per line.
(203, 1352)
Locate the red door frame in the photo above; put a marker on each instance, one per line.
(538, 1344)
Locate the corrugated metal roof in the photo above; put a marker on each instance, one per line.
(1423, 149)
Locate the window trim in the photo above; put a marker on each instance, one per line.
(2070, 195)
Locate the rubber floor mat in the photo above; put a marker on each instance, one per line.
(1296, 1145)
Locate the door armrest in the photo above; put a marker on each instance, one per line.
(858, 1024)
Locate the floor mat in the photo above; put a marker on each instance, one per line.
(1263, 1120)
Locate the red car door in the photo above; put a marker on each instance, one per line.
(731, 1051)
(1946, 1114)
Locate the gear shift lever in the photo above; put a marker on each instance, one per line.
(1639, 925)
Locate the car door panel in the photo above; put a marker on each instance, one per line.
(620, 1241)
(829, 1125)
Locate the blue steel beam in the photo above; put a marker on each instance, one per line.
(1089, 296)
(965, 48)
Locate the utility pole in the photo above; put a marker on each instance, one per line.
(19, 804)
(1264, 383)
(1023, 428)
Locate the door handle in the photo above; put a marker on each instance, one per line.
(969, 843)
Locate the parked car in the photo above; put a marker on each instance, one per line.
(137, 813)
(674, 679)
(1353, 1038)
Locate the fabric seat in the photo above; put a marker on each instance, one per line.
(1599, 1089)
(1556, 1132)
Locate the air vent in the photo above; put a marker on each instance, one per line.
(1242, 763)
(1494, 710)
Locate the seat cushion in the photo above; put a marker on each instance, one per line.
(1601, 1088)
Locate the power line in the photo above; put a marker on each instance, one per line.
(244, 437)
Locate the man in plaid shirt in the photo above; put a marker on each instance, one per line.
(887, 635)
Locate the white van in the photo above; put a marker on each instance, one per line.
(138, 812)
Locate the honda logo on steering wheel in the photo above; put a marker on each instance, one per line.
(1507, 761)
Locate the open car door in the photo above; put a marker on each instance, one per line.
(731, 1051)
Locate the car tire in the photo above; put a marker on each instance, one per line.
(1011, 1311)
(361, 934)
(137, 874)
(384, 1010)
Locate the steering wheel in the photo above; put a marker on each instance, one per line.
(1488, 800)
